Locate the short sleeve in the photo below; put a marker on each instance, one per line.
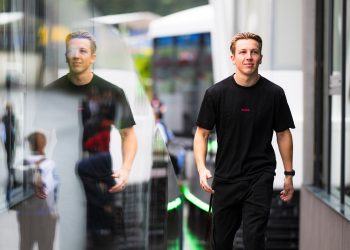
(283, 117)
(124, 116)
(206, 116)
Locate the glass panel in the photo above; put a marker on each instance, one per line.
(12, 80)
(336, 102)
(32, 54)
(163, 65)
(337, 35)
(166, 204)
(335, 144)
(347, 93)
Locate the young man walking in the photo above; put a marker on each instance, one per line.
(245, 109)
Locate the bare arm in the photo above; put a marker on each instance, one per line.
(129, 148)
(200, 152)
(285, 145)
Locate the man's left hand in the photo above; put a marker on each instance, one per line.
(286, 194)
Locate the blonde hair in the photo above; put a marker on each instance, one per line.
(244, 35)
(83, 35)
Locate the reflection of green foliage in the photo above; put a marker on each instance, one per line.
(143, 67)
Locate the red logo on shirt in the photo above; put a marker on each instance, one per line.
(245, 109)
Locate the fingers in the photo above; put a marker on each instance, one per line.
(116, 175)
(204, 175)
(205, 186)
(40, 193)
(122, 180)
(207, 189)
(286, 195)
(118, 187)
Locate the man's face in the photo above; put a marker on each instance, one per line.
(79, 56)
(247, 57)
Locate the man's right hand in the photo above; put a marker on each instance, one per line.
(200, 144)
(122, 176)
(40, 189)
(204, 175)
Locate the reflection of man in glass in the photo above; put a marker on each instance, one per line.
(102, 104)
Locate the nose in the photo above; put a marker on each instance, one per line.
(73, 53)
(249, 55)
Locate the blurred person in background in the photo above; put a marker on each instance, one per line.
(176, 152)
(37, 215)
(101, 105)
(245, 109)
(9, 133)
(159, 110)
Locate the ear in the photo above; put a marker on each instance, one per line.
(93, 57)
(260, 59)
(233, 59)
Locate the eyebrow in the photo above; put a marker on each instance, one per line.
(254, 49)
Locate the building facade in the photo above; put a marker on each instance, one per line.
(325, 206)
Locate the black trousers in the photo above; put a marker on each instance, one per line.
(246, 201)
(103, 216)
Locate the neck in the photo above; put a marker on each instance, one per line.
(246, 81)
(39, 152)
(80, 79)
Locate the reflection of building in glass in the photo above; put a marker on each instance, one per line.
(182, 65)
(33, 52)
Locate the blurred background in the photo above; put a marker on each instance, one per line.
(165, 54)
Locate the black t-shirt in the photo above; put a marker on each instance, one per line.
(101, 104)
(244, 119)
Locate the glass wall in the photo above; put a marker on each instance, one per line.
(333, 175)
(32, 55)
(347, 115)
(335, 99)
